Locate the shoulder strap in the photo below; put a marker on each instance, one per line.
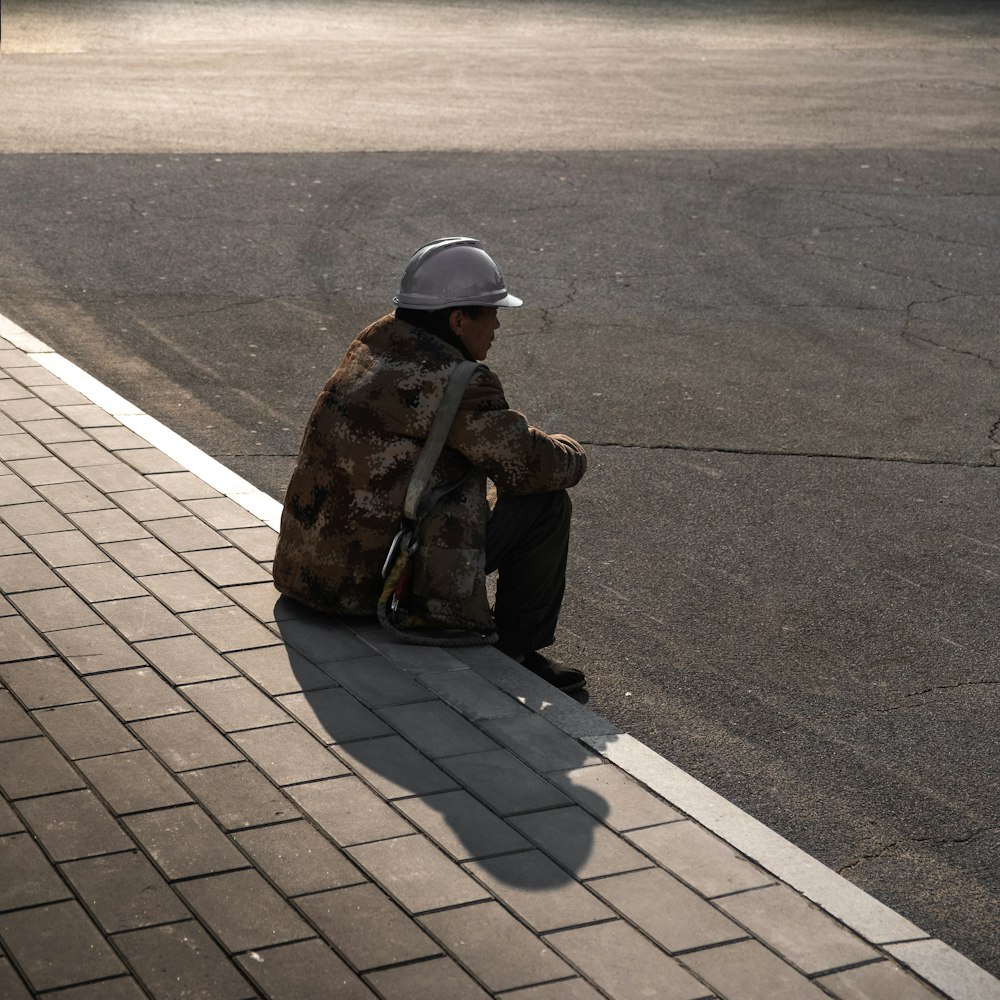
(440, 428)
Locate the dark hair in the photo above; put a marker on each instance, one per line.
(437, 321)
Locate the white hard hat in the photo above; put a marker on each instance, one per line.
(455, 271)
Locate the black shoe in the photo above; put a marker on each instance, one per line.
(564, 678)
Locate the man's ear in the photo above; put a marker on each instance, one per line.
(455, 321)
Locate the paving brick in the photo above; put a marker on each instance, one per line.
(15, 723)
(138, 694)
(145, 556)
(367, 927)
(297, 858)
(34, 767)
(147, 504)
(243, 911)
(229, 629)
(222, 513)
(142, 618)
(74, 497)
(11, 984)
(238, 796)
(624, 964)
(541, 893)
(124, 892)
(116, 438)
(184, 486)
(57, 945)
(185, 591)
(40, 472)
(502, 953)
(106, 526)
(25, 572)
(436, 730)
(58, 608)
(431, 980)
(53, 392)
(122, 988)
(258, 543)
(103, 581)
(186, 534)
(9, 389)
(234, 704)
(288, 754)
(460, 825)
(44, 683)
(227, 567)
(749, 971)
(186, 742)
(667, 910)
(67, 548)
(27, 877)
(34, 518)
(53, 431)
(95, 649)
(618, 800)
(72, 825)
(264, 602)
(149, 460)
(85, 730)
(416, 874)
(334, 715)
(541, 745)
(394, 768)
(348, 811)
(10, 544)
(878, 981)
(181, 962)
(132, 782)
(505, 784)
(323, 640)
(114, 477)
(33, 374)
(579, 843)
(707, 864)
(19, 641)
(470, 694)
(84, 453)
(185, 659)
(27, 409)
(185, 841)
(800, 932)
(16, 491)
(565, 989)
(9, 823)
(306, 970)
(280, 670)
(6, 608)
(376, 683)
(15, 446)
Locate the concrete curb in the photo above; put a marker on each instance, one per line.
(930, 958)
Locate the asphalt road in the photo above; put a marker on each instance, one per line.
(758, 247)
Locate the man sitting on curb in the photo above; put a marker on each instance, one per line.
(366, 431)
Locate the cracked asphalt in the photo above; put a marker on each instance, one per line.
(758, 250)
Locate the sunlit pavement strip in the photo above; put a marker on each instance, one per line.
(868, 973)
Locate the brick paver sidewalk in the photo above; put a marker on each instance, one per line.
(208, 792)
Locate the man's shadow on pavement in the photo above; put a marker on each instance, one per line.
(491, 783)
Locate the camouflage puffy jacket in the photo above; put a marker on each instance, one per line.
(345, 498)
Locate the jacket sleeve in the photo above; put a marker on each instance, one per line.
(517, 457)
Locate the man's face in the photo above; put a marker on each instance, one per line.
(476, 334)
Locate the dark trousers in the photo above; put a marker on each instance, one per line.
(527, 541)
